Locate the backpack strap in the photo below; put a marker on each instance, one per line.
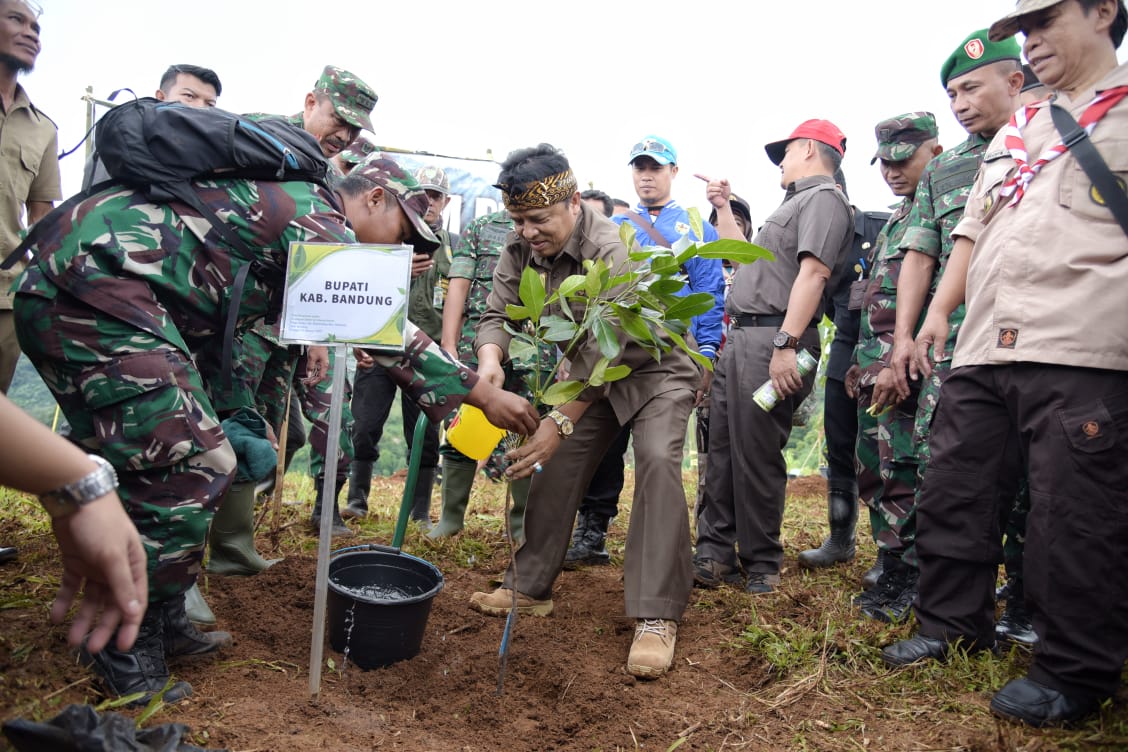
(648, 227)
(35, 232)
(1079, 144)
(265, 270)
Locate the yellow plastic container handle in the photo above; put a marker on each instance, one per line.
(472, 434)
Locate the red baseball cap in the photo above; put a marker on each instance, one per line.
(822, 131)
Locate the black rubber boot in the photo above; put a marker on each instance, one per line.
(870, 578)
(142, 668)
(587, 541)
(421, 501)
(842, 511)
(181, 638)
(339, 529)
(360, 483)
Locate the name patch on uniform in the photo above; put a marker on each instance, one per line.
(1007, 338)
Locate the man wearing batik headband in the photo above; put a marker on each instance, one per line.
(555, 233)
(1039, 378)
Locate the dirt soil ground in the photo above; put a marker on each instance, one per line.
(565, 688)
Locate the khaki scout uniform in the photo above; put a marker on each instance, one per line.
(29, 171)
(746, 479)
(1041, 373)
(657, 397)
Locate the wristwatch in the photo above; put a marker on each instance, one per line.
(784, 341)
(68, 499)
(564, 424)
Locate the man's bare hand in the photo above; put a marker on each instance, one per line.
(784, 372)
(317, 365)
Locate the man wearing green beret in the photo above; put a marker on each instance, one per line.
(983, 79)
(1040, 372)
(886, 454)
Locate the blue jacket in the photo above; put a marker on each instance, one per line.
(705, 275)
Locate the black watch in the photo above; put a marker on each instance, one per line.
(784, 341)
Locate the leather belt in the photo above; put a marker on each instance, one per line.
(752, 320)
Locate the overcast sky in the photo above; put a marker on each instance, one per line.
(717, 79)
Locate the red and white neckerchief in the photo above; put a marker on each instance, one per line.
(1016, 145)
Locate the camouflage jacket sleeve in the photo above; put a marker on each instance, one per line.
(464, 255)
(923, 232)
(428, 375)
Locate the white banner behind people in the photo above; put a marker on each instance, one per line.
(472, 193)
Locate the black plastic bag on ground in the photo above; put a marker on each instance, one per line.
(79, 728)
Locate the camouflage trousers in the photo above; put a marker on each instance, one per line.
(273, 369)
(887, 473)
(140, 403)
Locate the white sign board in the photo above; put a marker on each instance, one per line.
(355, 293)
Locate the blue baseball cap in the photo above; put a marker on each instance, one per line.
(658, 149)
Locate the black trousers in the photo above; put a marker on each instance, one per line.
(373, 395)
(840, 426)
(1069, 426)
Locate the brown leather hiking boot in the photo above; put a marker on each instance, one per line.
(500, 601)
(652, 652)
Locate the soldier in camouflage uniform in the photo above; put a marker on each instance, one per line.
(375, 392)
(983, 79)
(334, 113)
(471, 280)
(127, 337)
(886, 456)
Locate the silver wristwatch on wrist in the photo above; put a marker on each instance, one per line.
(68, 499)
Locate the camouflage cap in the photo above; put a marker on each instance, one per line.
(898, 137)
(352, 98)
(432, 178)
(412, 198)
(1007, 26)
(976, 51)
(357, 151)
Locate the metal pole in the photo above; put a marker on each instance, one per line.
(328, 501)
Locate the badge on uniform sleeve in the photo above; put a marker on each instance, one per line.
(1007, 338)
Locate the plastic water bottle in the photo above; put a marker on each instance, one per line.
(767, 397)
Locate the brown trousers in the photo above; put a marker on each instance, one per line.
(658, 573)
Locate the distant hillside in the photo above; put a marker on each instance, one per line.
(29, 392)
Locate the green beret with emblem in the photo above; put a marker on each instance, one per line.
(898, 137)
(352, 99)
(975, 52)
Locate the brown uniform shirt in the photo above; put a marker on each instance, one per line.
(29, 171)
(595, 237)
(814, 218)
(1047, 278)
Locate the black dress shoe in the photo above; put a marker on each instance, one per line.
(916, 648)
(8, 553)
(1038, 705)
